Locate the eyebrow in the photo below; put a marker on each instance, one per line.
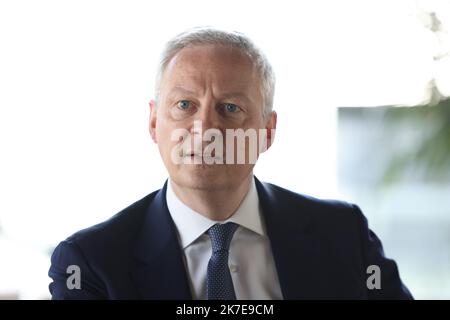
(239, 95)
(181, 90)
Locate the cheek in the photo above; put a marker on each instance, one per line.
(253, 122)
(163, 127)
(164, 136)
(167, 134)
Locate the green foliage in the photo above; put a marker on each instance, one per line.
(432, 155)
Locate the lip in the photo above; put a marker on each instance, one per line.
(193, 154)
(201, 156)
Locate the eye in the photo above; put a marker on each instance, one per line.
(232, 108)
(184, 104)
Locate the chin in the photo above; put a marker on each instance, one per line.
(203, 177)
(207, 177)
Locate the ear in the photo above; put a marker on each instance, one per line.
(271, 126)
(152, 120)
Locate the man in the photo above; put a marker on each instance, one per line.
(214, 231)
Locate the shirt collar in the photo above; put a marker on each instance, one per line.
(191, 224)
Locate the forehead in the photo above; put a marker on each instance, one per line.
(223, 67)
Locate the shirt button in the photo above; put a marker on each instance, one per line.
(233, 268)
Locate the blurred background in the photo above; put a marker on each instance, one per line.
(363, 108)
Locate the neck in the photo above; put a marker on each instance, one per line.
(217, 205)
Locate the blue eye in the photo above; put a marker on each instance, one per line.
(184, 104)
(232, 108)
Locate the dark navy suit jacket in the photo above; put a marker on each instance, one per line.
(321, 250)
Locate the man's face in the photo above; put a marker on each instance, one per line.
(220, 87)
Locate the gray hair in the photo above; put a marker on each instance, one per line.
(210, 36)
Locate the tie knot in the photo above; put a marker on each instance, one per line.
(221, 235)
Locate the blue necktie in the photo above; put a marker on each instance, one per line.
(219, 285)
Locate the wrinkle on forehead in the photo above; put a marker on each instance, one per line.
(221, 68)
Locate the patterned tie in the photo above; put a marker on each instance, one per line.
(219, 285)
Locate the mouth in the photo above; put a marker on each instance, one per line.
(204, 159)
(193, 154)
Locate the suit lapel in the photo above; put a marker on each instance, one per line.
(158, 270)
(295, 247)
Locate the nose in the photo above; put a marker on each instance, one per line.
(208, 117)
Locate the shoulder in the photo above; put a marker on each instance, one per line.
(101, 252)
(297, 201)
(117, 232)
(324, 213)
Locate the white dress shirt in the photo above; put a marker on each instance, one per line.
(251, 262)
